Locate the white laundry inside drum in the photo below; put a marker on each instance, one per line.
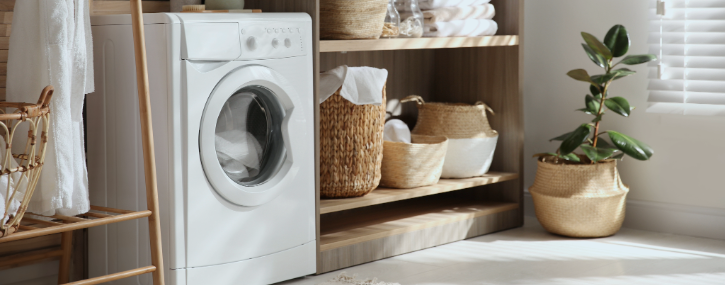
(245, 138)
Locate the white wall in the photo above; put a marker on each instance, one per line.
(688, 168)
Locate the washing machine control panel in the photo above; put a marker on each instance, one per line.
(262, 40)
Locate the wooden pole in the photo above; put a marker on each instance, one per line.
(66, 245)
(147, 140)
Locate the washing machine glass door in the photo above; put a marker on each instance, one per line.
(248, 136)
(246, 132)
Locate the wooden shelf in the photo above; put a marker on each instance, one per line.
(419, 43)
(348, 231)
(387, 195)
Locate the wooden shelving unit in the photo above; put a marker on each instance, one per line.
(386, 195)
(337, 233)
(419, 43)
(389, 222)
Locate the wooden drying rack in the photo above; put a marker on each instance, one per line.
(99, 216)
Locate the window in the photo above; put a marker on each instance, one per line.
(689, 41)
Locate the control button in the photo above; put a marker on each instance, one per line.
(243, 31)
(269, 31)
(251, 43)
(275, 43)
(290, 30)
(287, 43)
(276, 31)
(299, 31)
(282, 30)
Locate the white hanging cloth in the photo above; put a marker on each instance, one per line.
(51, 45)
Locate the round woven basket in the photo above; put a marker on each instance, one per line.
(351, 147)
(579, 200)
(471, 140)
(452, 120)
(21, 170)
(352, 20)
(411, 165)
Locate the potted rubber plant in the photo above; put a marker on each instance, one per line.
(577, 191)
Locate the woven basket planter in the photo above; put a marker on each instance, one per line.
(351, 147)
(411, 165)
(352, 20)
(21, 170)
(471, 140)
(579, 200)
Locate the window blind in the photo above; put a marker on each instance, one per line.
(689, 40)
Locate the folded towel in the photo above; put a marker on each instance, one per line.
(447, 14)
(360, 85)
(461, 28)
(51, 45)
(396, 131)
(434, 4)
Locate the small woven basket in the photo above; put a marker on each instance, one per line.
(413, 165)
(352, 20)
(351, 147)
(452, 120)
(21, 171)
(579, 200)
(471, 140)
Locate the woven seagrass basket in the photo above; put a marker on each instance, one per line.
(471, 140)
(352, 20)
(411, 165)
(351, 147)
(21, 170)
(579, 200)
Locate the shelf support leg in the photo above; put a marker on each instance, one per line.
(147, 140)
(66, 244)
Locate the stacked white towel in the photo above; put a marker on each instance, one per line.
(457, 18)
(461, 28)
(435, 4)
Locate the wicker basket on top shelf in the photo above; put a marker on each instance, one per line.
(20, 171)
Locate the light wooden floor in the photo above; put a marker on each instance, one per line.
(529, 255)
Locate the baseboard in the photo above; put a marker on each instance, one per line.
(665, 218)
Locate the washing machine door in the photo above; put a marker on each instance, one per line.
(248, 133)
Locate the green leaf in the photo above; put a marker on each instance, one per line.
(638, 59)
(571, 157)
(576, 138)
(561, 137)
(594, 56)
(617, 40)
(597, 94)
(622, 72)
(634, 148)
(618, 156)
(592, 105)
(618, 105)
(580, 74)
(597, 46)
(597, 118)
(601, 79)
(596, 154)
(601, 143)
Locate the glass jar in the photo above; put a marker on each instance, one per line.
(411, 22)
(392, 22)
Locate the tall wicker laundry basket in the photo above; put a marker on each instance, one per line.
(20, 171)
(351, 147)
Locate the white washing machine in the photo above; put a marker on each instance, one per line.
(232, 105)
